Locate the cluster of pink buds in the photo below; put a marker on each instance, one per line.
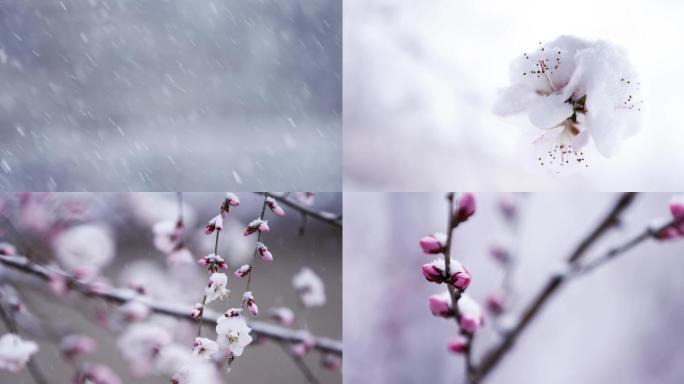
(274, 206)
(248, 301)
(260, 225)
(214, 262)
(216, 222)
(677, 211)
(453, 302)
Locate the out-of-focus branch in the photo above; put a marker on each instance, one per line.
(301, 365)
(120, 296)
(334, 219)
(494, 355)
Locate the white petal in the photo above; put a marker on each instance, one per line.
(548, 112)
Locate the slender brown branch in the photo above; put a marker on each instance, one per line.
(493, 356)
(120, 296)
(301, 365)
(256, 247)
(334, 220)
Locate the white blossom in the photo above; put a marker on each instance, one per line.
(310, 287)
(217, 287)
(233, 333)
(141, 344)
(575, 90)
(204, 348)
(15, 352)
(85, 246)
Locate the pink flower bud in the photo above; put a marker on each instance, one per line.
(458, 344)
(197, 311)
(500, 254)
(256, 225)
(298, 350)
(248, 300)
(214, 261)
(282, 315)
(264, 252)
(243, 271)
(470, 324)
(433, 272)
(215, 224)
(7, 249)
(274, 206)
(496, 303)
(440, 305)
(232, 199)
(677, 210)
(465, 207)
(433, 244)
(460, 278)
(263, 227)
(471, 314)
(305, 346)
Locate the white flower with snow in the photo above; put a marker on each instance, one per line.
(203, 347)
(166, 235)
(575, 90)
(217, 287)
(233, 333)
(310, 287)
(141, 344)
(197, 373)
(15, 352)
(85, 246)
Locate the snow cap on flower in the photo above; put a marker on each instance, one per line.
(233, 334)
(197, 311)
(74, 346)
(471, 314)
(215, 224)
(464, 207)
(282, 315)
(435, 272)
(204, 348)
(15, 352)
(243, 271)
(257, 225)
(7, 249)
(274, 206)
(213, 261)
(458, 345)
(232, 199)
(310, 288)
(574, 90)
(433, 244)
(440, 304)
(248, 300)
(264, 252)
(217, 287)
(134, 310)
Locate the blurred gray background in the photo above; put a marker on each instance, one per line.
(320, 248)
(621, 323)
(117, 95)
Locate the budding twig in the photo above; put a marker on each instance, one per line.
(334, 220)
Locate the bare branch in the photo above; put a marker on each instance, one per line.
(120, 296)
(329, 218)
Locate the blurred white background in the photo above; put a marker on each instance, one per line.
(621, 323)
(420, 79)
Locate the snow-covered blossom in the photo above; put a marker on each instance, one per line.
(574, 90)
(217, 287)
(440, 304)
(141, 344)
(15, 352)
(464, 207)
(435, 272)
(213, 261)
(303, 347)
(197, 311)
(232, 199)
(248, 301)
(458, 345)
(84, 246)
(310, 287)
(7, 249)
(306, 198)
(260, 225)
(204, 347)
(282, 315)
(215, 224)
(243, 271)
(167, 235)
(274, 206)
(433, 244)
(233, 333)
(74, 346)
(264, 252)
(134, 310)
(197, 373)
(96, 374)
(471, 314)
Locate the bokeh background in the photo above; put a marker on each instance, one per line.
(118, 95)
(130, 216)
(620, 323)
(421, 77)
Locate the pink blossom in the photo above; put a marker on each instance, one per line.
(274, 206)
(197, 311)
(215, 224)
(677, 210)
(57, 284)
(305, 346)
(471, 314)
(232, 199)
(264, 252)
(465, 207)
(74, 346)
(282, 315)
(248, 300)
(243, 271)
(435, 271)
(458, 345)
(433, 244)
(214, 261)
(496, 302)
(440, 305)
(260, 225)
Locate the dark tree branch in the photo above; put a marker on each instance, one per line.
(332, 219)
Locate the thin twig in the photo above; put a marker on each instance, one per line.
(333, 219)
(493, 356)
(120, 296)
(256, 247)
(301, 365)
